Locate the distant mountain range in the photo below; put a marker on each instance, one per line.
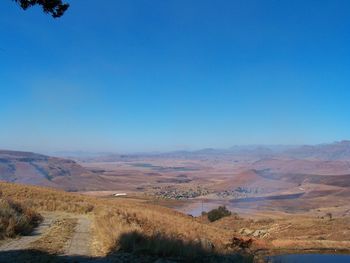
(330, 152)
(334, 151)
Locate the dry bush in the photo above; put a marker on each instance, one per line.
(16, 219)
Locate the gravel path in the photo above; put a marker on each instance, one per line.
(80, 243)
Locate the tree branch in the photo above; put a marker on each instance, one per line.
(53, 7)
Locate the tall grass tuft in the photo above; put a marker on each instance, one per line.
(16, 219)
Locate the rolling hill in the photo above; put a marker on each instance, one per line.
(42, 170)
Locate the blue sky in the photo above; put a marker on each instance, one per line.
(178, 74)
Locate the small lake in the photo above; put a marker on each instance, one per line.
(268, 198)
(196, 207)
(306, 258)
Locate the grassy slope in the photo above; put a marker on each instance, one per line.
(117, 222)
(295, 232)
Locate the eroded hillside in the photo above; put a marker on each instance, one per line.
(37, 169)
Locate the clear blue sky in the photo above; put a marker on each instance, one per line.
(176, 74)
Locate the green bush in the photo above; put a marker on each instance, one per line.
(218, 213)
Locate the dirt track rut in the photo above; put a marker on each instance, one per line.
(80, 243)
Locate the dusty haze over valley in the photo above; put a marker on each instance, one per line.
(174, 131)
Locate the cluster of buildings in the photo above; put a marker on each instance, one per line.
(171, 192)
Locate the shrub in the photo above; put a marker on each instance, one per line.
(329, 215)
(16, 219)
(218, 213)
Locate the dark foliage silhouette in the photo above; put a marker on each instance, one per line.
(158, 246)
(218, 213)
(53, 7)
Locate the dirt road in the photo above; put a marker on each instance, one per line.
(77, 247)
(80, 243)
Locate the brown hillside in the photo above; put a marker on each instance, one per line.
(37, 169)
(114, 218)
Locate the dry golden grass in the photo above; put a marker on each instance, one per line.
(47, 199)
(294, 227)
(294, 233)
(133, 226)
(114, 218)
